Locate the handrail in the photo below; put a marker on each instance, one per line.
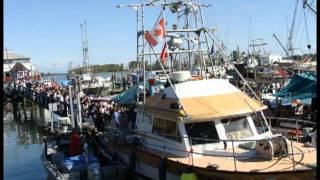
(292, 119)
(199, 138)
(212, 155)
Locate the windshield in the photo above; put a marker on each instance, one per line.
(259, 123)
(201, 132)
(237, 127)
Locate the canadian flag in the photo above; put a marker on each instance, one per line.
(156, 34)
(164, 54)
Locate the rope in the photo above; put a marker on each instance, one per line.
(305, 22)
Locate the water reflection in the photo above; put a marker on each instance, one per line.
(22, 148)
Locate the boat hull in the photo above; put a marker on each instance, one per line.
(147, 164)
(98, 91)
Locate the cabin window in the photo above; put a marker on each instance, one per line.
(202, 132)
(259, 123)
(237, 128)
(166, 128)
(144, 122)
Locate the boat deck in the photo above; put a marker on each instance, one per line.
(304, 158)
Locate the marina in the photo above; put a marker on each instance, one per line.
(187, 107)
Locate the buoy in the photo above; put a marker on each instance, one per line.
(162, 169)
(188, 174)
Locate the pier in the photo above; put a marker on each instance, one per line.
(63, 108)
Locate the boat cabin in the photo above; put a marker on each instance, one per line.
(204, 115)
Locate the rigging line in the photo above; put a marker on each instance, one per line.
(170, 82)
(249, 35)
(297, 30)
(305, 23)
(239, 74)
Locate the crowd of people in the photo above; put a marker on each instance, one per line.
(101, 112)
(108, 113)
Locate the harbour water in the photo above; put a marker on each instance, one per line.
(23, 143)
(22, 148)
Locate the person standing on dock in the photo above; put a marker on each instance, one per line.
(116, 117)
(75, 147)
(132, 118)
(99, 120)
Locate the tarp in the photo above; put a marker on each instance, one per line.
(127, 97)
(301, 86)
(130, 96)
(65, 83)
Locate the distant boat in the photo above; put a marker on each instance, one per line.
(97, 86)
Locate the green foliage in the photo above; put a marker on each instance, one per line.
(133, 64)
(235, 55)
(101, 68)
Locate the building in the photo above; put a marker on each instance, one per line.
(16, 66)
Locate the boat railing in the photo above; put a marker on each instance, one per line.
(165, 147)
(275, 123)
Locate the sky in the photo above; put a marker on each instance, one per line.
(49, 31)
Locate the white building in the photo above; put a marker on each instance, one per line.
(271, 59)
(16, 66)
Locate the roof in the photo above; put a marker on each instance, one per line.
(10, 55)
(27, 66)
(204, 99)
(7, 67)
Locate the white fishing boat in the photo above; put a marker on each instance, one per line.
(218, 130)
(207, 125)
(97, 86)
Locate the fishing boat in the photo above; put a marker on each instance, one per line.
(202, 127)
(90, 83)
(60, 165)
(97, 86)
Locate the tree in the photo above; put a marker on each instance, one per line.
(235, 55)
(133, 64)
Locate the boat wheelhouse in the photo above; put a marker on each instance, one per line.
(212, 109)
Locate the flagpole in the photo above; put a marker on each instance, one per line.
(143, 60)
(169, 81)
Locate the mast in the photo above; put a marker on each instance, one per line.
(143, 59)
(85, 49)
(290, 42)
(184, 41)
(285, 50)
(7, 53)
(249, 35)
(306, 4)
